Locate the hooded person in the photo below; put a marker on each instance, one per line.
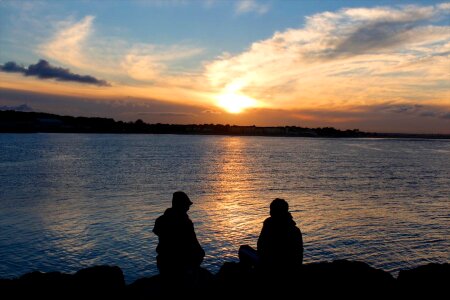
(178, 250)
(280, 243)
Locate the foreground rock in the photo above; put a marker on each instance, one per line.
(341, 277)
(199, 285)
(98, 281)
(427, 280)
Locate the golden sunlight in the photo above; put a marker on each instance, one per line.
(234, 103)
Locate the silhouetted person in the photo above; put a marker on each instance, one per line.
(179, 252)
(280, 244)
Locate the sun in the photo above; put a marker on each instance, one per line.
(234, 103)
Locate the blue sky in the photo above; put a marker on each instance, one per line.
(339, 63)
(217, 26)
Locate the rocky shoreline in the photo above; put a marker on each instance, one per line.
(340, 277)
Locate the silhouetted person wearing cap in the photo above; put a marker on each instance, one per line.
(179, 252)
(280, 243)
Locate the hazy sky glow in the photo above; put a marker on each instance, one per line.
(370, 65)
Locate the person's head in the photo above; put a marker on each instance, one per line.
(181, 201)
(279, 208)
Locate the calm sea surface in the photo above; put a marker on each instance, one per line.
(69, 201)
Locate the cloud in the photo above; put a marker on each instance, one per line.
(209, 3)
(428, 113)
(20, 107)
(167, 114)
(212, 112)
(44, 70)
(142, 67)
(386, 117)
(415, 110)
(346, 58)
(402, 109)
(338, 62)
(117, 107)
(376, 118)
(76, 45)
(66, 46)
(248, 6)
(148, 62)
(12, 67)
(364, 30)
(162, 3)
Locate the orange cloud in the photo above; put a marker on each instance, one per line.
(338, 61)
(149, 62)
(66, 46)
(346, 58)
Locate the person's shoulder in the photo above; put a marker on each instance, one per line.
(268, 221)
(159, 222)
(297, 231)
(163, 217)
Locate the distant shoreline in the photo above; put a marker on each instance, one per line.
(37, 122)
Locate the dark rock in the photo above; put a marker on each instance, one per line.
(100, 280)
(52, 285)
(145, 288)
(235, 278)
(340, 277)
(8, 286)
(41, 280)
(345, 278)
(349, 279)
(430, 279)
(197, 284)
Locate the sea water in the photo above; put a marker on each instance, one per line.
(69, 201)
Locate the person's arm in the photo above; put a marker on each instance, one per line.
(262, 239)
(300, 246)
(197, 251)
(157, 228)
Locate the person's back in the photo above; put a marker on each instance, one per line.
(178, 249)
(280, 244)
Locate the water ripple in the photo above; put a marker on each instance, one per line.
(69, 201)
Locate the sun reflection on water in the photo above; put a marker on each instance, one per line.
(93, 199)
(231, 211)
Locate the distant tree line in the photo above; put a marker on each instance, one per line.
(15, 121)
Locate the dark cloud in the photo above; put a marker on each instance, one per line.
(372, 30)
(12, 67)
(211, 111)
(44, 70)
(428, 113)
(119, 108)
(378, 35)
(21, 107)
(416, 109)
(387, 117)
(167, 114)
(446, 116)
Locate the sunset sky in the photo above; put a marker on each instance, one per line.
(371, 65)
